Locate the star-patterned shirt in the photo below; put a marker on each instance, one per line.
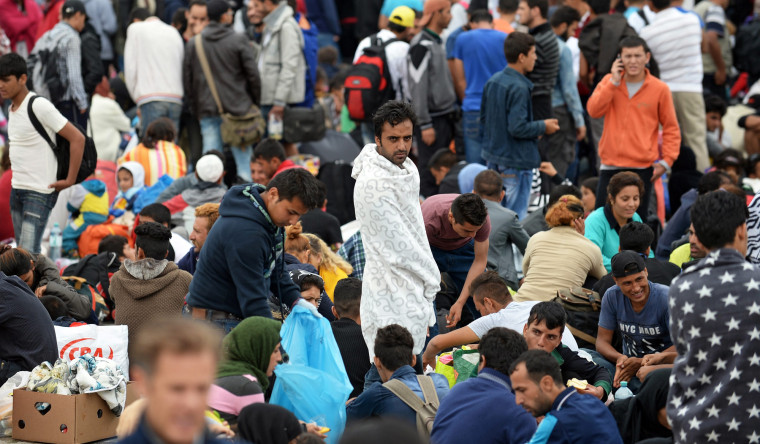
(715, 318)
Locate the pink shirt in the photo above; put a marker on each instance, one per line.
(440, 233)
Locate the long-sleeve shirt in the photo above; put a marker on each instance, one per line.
(430, 84)
(101, 15)
(566, 90)
(65, 40)
(544, 74)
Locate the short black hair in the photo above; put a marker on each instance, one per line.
(469, 208)
(712, 181)
(633, 41)
(538, 364)
(55, 307)
(551, 313)
(517, 43)
(312, 280)
(564, 14)
(600, 7)
(444, 157)
(659, 5)
(158, 212)
(268, 149)
(298, 182)
(395, 27)
(179, 18)
(563, 190)
(12, 65)
(716, 216)
(140, 14)
(393, 347)
(153, 239)
(715, 104)
(348, 297)
(508, 6)
(481, 15)
(501, 347)
(488, 183)
(490, 285)
(113, 243)
(636, 236)
(393, 112)
(542, 5)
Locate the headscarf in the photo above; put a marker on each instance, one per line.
(268, 424)
(124, 199)
(248, 349)
(637, 416)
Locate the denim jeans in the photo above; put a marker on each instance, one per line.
(211, 130)
(517, 186)
(473, 143)
(156, 109)
(634, 384)
(30, 211)
(457, 264)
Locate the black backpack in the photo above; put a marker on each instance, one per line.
(61, 148)
(368, 82)
(45, 77)
(340, 190)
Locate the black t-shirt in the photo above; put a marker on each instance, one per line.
(324, 225)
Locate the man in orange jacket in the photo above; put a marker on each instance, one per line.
(634, 104)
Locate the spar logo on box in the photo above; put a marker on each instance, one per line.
(77, 348)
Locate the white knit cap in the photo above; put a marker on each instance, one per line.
(209, 168)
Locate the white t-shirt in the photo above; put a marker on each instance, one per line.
(514, 316)
(395, 54)
(33, 162)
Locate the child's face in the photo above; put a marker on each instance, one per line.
(125, 179)
(712, 120)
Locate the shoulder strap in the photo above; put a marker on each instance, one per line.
(207, 71)
(389, 41)
(404, 393)
(38, 125)
(428, 390)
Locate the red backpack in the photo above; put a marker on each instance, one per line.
(368, 83)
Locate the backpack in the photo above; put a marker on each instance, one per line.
(45, 74)
(426, 410)
(340, 190)
(61, 148)
(89, 240)
(368, 82)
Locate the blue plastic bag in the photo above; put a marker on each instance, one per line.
(314, 383)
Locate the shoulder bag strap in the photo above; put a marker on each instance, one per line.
(428, 389)
(38, 125)
(207, 71)
(404, 393)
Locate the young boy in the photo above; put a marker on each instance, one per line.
(35, 185)
(510, 135)
(348, 332)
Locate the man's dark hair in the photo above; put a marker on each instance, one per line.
(633, 41)
(140, 14)
(563, 190)
(393, 112)
(12, 65)
(395, 27)
(348, 297)
(298, 182)
(153, 239)
(490, 285)
(501, 347)
(714, 104)
(158, 212)
(600, 7)
(179, 19)
(716, 216)
(564, 14)
(393, 347)
(113, 243)
(469, 208)
(636, 236)
(488, 183)
(517, 43)
(508, 6)
(444, 157)
(480, 16)
(55, 307)
(712, 181)
(538, 364)
(542, 5)
(659, 5)
(268, 149)
(551, 313)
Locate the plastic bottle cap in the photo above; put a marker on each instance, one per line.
(624, 384)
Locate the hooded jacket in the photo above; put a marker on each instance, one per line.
(46, 274)
(146, 289)
(233, 65)
(242, 259)
(124, 200)
(282, 63)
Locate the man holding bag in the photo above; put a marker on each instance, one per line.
(222, 87)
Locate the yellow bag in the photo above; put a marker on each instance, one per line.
(446, 369)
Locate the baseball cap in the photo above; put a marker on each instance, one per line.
(71, 7)
(209, 168)
(627, 263)
(403, 16)
(431, 7)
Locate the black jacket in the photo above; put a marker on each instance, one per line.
(353, 350)
(92, 66)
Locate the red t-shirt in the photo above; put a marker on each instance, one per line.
(440, 233)
(286, 165)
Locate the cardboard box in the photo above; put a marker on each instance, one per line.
(70, 418)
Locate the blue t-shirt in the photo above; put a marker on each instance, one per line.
(645, 332)
(482, 53)
(390, 5)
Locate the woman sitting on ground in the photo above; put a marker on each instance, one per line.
(157, 152)
(332, 267)
(561, 257)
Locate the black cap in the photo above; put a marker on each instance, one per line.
(216, 9)
(627, 263)
(71, 7)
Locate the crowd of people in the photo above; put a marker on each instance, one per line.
(514, 220)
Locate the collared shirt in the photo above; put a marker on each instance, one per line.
(66, 41)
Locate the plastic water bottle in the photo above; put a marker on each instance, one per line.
(275, 127)
(56, 241)
(623, 392)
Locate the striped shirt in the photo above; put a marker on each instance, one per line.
(66, 40)
(166, 158)
(675, 39)
(544, 74)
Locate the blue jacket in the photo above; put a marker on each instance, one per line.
(189, 262)
(242, 259)
(379, 401)
(576, 419)
(510, 136)
(324, 14)
(144, 435)
(486, 400)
